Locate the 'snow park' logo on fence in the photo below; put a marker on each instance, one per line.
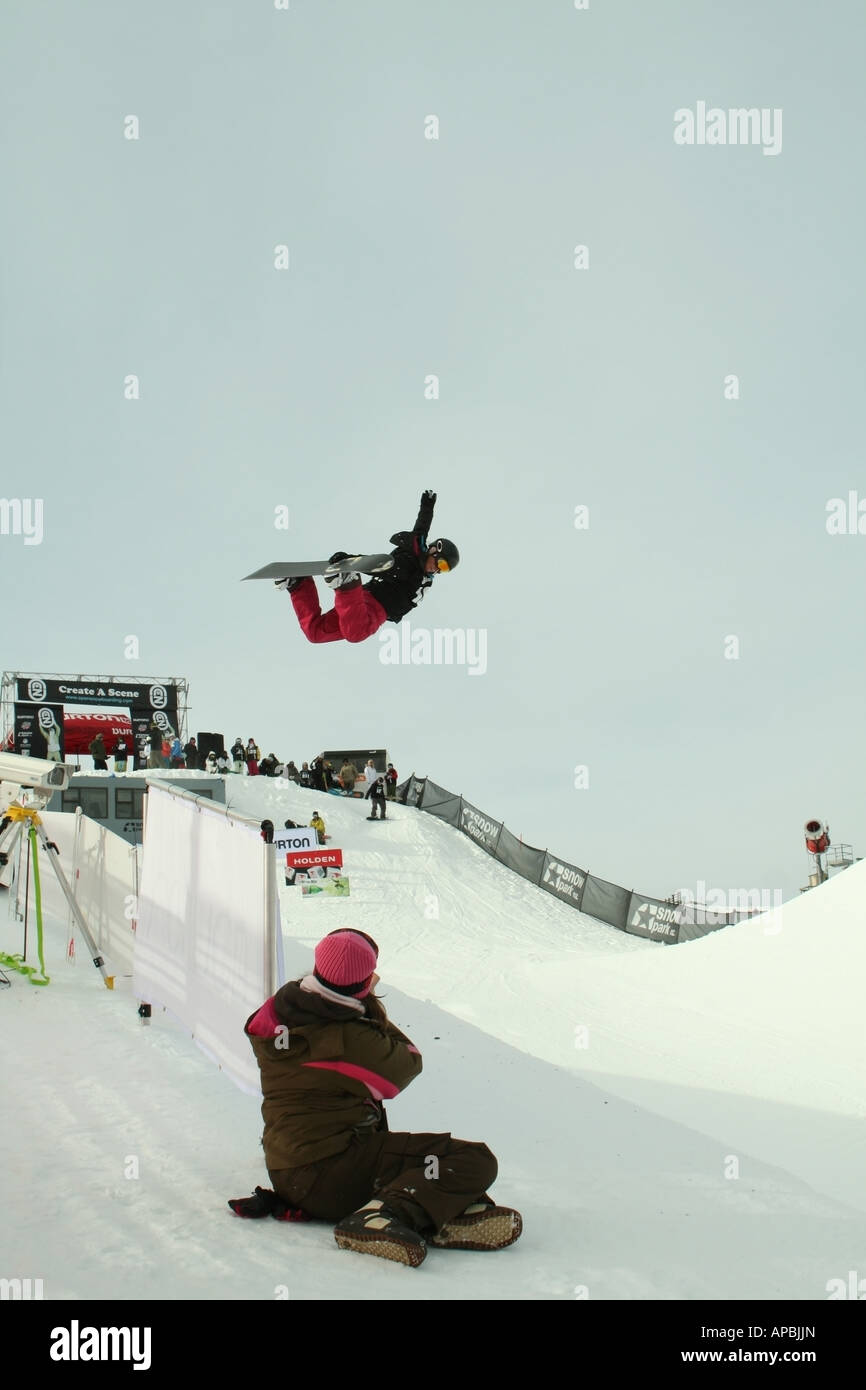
(563, 880)
(653, 919)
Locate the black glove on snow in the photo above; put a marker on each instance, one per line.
(264, 1202)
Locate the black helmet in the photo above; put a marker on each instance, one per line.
(447, 555)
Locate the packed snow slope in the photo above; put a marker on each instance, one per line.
(752, 1034)
(674, 1122)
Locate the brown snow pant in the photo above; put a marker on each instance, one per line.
(435, 1172)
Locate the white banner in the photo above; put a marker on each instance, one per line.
(286, 841)
(202, 943)
(105, 890)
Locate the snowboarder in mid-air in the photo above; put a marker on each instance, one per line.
(361, 609)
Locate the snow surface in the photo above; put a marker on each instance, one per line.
(675, 1123)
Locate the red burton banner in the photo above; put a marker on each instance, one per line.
(307, 858)
(79, 730)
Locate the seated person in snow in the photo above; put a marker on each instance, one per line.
(328, 1056)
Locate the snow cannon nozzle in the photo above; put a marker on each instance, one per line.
(817, 836)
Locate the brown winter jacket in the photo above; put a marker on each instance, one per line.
(325, 1071)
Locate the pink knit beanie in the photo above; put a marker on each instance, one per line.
(345, 961)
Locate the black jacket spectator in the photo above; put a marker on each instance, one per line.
(99, 753)
(376, 794)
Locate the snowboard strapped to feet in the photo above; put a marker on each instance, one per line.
(301, 569)
(374, 1230)
(480, 1227)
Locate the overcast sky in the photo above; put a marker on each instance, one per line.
(607, 387)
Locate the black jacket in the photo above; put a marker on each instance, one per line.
(399, 589)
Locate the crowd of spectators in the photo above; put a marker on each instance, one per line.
(163, 748)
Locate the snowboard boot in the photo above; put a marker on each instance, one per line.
(482, 1226)
(374, 1230)
(339, 579)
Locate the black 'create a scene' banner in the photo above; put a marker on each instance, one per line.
(151, 695)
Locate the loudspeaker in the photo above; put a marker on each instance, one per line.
(209, 743)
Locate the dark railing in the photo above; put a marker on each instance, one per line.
(622, 908)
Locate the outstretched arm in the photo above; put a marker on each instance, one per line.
(425, 513)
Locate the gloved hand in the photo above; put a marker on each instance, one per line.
(429, 496)
(264, 1202)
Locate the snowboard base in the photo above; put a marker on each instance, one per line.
(299, 569)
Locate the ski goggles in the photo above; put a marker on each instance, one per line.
(442, 564)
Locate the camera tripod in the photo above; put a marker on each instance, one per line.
(12, 828)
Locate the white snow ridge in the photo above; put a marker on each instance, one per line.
(674, 1122)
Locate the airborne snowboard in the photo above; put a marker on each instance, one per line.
(291, 569)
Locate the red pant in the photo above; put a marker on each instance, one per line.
(355, 616)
